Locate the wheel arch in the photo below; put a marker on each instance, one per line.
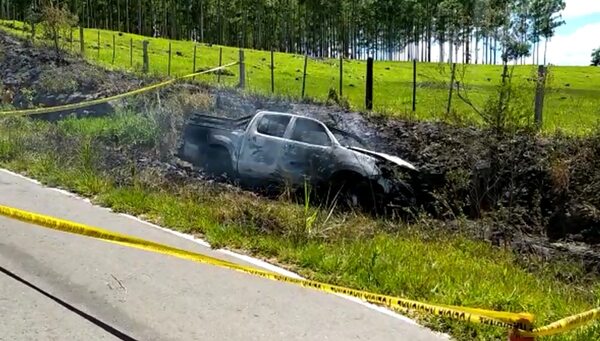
(218, 158)
(346, 175)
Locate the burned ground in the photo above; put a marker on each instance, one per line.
(540, 184)
(536, 193)
(34, 77)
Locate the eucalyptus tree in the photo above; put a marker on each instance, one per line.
(386, 29)
(547, 19)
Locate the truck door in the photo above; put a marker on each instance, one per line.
(306, 153)
(261, 148)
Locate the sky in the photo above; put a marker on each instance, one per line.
(574, 41)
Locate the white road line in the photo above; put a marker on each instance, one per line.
(254, 261)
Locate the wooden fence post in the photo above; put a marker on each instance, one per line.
(114, 49)
(539, 96)
(220, 64)
(414, 95)
(452, 78)
(131, 52)
(304, 75)
(341, 75)
(369, 92)
(169, 64)
(242, 84)
(146, 66)
(194, 61)
(272, 71)
(81, 41)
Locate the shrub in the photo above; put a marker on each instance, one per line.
(57, 21)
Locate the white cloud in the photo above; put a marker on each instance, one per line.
(574, 48)
(579, 8)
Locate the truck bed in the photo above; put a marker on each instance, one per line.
(224, 123)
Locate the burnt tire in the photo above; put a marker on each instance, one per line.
(360, 194)
(217, 163)
(405, 195)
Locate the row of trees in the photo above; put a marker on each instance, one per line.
(469, 31)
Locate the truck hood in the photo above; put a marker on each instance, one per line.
(393, 159)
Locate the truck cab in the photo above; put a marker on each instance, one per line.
(287, 148)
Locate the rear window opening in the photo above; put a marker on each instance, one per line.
(273, 125)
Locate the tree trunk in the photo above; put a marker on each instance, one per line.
(220, 20)
(476, 47)
(174, 26)
(127, 16)
(110, 17)
(202, 21)
(423, 48)
(467, 51)
(55, 35)
(119, 15)
(546, 51)
(456, 48)
(484, 50)
(416, 44)
(495, 50)
(139, 3)
(429, 44)
(442, 43)
(87, 13)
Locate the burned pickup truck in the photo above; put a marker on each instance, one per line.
(282, 150)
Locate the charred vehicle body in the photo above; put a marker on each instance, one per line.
(275, 150)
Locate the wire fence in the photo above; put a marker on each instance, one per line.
(566, 98)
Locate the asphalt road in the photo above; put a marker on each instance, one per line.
(57, 286)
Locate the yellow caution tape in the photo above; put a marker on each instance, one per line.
(502, 319)
(564, 325)
(85, 104)
(521, 322)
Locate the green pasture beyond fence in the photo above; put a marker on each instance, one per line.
(571, 95)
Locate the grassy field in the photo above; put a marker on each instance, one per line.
(572, 102)
(421, 261)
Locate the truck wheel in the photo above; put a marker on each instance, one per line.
(218, 163)
(360, 194)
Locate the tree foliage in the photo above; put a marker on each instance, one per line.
(596, 57)
(461, 30)
(56, 21)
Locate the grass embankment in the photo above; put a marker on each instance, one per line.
(421, 261)
(572, 102)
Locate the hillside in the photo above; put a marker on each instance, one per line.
(572, 102)
(490, 242)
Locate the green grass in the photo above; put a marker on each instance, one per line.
(420, 261)
(572, 104)
(124, 128)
